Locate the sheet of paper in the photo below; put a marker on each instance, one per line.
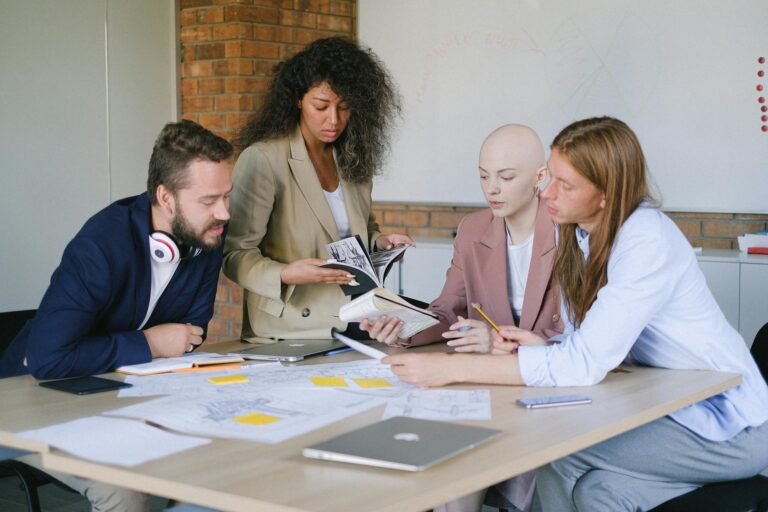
(263, 376)
(113, 440)
(441, 404)
(187, 383)
(360, 347)
(247, 412)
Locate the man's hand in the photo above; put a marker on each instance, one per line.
(173, 340)
(309, 271)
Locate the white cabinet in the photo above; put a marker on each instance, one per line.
(739, 283)
(753, 299)
(723, 280)
(422, 270)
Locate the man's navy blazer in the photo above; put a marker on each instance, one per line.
(88, 321)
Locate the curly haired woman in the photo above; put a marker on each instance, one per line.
(304, 180)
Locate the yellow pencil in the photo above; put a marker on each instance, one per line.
(482, 313)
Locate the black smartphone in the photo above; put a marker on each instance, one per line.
(553, 401)
(85, 385)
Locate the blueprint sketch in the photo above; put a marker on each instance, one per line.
(442, 404)
(268, 416)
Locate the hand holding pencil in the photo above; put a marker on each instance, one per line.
(509, 337)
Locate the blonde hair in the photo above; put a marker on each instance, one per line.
(606, 152)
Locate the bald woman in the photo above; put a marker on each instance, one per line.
(502, 259)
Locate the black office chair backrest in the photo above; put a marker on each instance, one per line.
(759, 350)
(11, 322)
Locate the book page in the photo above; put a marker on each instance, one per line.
(382, 260)
(351, 251)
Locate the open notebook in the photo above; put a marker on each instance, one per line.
(381, 301)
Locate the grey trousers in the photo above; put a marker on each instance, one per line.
(647, 466)
(103, 497)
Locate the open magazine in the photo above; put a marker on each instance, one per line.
(381, 301)
(370, 270)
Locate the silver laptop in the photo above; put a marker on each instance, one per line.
(408, 444)
(289, 350)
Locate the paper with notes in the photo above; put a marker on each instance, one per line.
(441, 404)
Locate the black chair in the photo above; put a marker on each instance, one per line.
(750, 494)
(11, 323)
(29, 478)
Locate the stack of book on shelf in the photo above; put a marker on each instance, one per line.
(754, 243)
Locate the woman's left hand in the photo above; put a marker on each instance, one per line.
(469, 336)
(424, 370)
(385, 242)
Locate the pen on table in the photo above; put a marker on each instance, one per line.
(338, 351)
(479, 309)
(210, 368)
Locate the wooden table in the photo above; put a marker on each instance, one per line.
(235, 475)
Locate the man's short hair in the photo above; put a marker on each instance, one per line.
(176, 146)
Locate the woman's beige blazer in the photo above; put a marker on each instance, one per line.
(280, 215)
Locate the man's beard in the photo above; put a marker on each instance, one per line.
(186, 235)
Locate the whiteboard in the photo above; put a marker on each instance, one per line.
(85, 88)
(682, 74)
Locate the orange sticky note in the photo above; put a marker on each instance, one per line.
(228, 379)
(373, 383)
(257, 418)
(336, 382)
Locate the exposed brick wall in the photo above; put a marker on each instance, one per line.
(710, 230)
(229, 49)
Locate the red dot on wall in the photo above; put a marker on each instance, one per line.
(759, 87)
(764, 128)
(764, 118)
(764, 108)
(761, 73)
(761, 99)
(761, 60)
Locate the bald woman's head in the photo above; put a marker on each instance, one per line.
(511, 168)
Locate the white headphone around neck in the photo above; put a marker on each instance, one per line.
(164, 248)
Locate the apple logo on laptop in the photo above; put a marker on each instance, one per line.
(406, 436)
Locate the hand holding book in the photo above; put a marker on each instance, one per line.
(381, 301)
(313, 271)
(369, 270)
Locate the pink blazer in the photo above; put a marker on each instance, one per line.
(478, 273)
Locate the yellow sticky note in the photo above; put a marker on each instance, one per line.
(373, 383)
(257, 418)
(337, 382)
(228, 379)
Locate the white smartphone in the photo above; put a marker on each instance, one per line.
(553, 401)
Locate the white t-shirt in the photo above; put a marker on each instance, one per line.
(519, 262)
(338, 209)
(161, 276)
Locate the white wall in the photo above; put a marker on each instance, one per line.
(682, 74)
(85, 87)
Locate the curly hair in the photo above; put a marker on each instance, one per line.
(358, 77)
